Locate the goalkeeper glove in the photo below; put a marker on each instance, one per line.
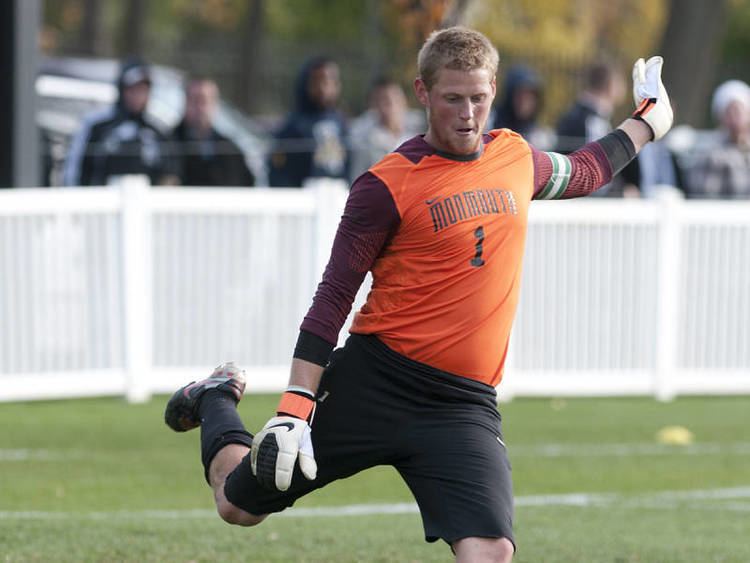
(285, 439)
(651, 99)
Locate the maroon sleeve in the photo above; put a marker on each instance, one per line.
(591, 167)
(590, 170)
(370, 217)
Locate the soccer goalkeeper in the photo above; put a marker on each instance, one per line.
(441, 224)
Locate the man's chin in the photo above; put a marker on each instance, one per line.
(466, 145)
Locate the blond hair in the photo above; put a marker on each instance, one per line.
(457, 48)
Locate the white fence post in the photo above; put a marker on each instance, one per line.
(668, 296)
(136, 236)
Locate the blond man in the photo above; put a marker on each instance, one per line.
(440, 223)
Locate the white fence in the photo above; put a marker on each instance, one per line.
(136, 291)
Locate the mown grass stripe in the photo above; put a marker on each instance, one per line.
(652, 500)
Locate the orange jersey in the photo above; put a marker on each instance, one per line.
(445, 287)
(444, 238)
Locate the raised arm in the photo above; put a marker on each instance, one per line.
(582, 172)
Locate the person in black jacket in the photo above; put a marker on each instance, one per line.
(121, 140)
(589, 117)
(312, 141)
(205, 157)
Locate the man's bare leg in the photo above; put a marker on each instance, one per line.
(211, 404)
(483, 550)
(222, 465)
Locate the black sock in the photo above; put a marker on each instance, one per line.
(220, 425)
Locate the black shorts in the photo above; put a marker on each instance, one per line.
(441, 432)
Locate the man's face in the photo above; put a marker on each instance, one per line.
(324, 85)
(526, 102)
(389, 102)
(135, 97)
(458, 105)
(736, 119)
(200, 104)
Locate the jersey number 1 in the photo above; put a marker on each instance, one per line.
(478, 260)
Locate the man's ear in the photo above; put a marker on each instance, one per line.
(420, 90)
(494, 86)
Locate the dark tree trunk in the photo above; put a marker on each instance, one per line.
(92, 37)
(132, 30)
(250, 57)
(690, 49)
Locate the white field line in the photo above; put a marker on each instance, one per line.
(735, 499)
(627, 450)
(517, 451)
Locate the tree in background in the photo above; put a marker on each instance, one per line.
(254, 47)
(691, 47)
(561, 38)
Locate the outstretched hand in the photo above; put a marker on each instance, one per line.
(651, 98)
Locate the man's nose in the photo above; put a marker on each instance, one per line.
(466, 110)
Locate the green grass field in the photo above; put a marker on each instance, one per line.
(102, 480)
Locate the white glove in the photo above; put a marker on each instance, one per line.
(651, 99)
(276, 448)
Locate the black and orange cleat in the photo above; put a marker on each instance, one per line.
(181, 413)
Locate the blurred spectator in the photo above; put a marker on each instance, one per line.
(519, 107)
(656, 167)
(204, 157)
(120, 140)
(724, 171)
(311, 142)
(384, 126)
(589, 119)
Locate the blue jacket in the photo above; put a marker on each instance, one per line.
(311, 143)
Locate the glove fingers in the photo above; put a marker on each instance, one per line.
(639, 71)
(639, 79)
(307, 456)
(653, 71)
(308, 466)
(284, 469)
(655, 61)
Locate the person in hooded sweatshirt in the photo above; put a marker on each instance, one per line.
(120, 140)
(520, 105)
(311, 143)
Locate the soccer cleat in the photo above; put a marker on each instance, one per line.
(181, 413)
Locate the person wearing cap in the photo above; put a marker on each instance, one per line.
(121, 139)
(723, 172)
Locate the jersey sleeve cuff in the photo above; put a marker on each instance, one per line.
(619, 149)
(312, 348)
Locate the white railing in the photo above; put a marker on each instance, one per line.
(134, 291)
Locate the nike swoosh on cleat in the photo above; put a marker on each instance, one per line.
(288, 425)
